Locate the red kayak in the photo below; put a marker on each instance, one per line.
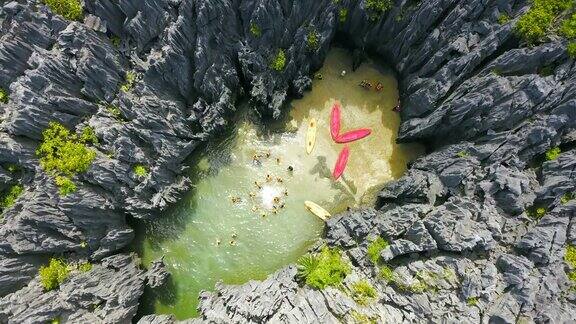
(335, 121)
(353, 135)
(341, 162)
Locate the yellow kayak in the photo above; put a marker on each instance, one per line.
(317, 210)
(311, 135)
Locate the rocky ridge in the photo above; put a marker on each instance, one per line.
(488, 106)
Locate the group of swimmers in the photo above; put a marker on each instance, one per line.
(368, 85)
(278, 204)
(231, 242)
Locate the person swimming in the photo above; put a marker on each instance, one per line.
(397, 108)
(365, 84)
(290, 168)
(379, 87)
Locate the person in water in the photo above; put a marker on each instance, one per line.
(379, 87)
(366, 85)
(290, 168)
(397, 108)
(319, 76)
(343, 73)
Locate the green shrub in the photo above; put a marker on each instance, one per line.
(54, 274)
(343, 15)
(462, 154)
(567, 197)
(65, 185)
(570, 256)
(9, 198)
(503, 19)
(536, 212)
(12, 168)
(88, 135)
(377, 8)
(387, 273)
(85, 267)
(69, 9)
(129, 83)
(360, 318)
(312, 40)
(553, 153)
(115, 40)
(363, 292)
(375, 248)
(64, 154)
(326, 268)
(114, 111)
(537, 22)
(472, 301)
(568, 28)
(279, 61)
(570, 259)
(571, 49)
(140, 170)
(255, 30)
(3, 96)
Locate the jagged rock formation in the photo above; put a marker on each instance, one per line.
(487, 105)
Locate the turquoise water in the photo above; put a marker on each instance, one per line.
(245, 216)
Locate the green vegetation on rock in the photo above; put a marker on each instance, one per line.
(85, 266)
(342, 15)
(140, 170)
(472, 301)
(377, 8)
(567, 197)
(572, 50)
(553, 153)
(538, 22)
(114, 111)
(69, 9)
(3, 96)
(503, 19)
(65, 185)
(375, 248)
(360, 318)
(115, 40)
(54, 274)
(536, 212)
(9, 197)
(64, 154)
(363, 292)
(462, 154)
(88, 135)
(130, 79)
(570, 259)
(326, 268)
(279, 61)
(12, 168)
(568, 28)
(312, 40)
(255, 30)
(387, 274)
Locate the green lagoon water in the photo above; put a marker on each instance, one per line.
(245, 217)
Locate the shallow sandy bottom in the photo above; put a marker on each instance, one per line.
(245, 217)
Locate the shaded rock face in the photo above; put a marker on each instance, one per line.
(455, 221)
